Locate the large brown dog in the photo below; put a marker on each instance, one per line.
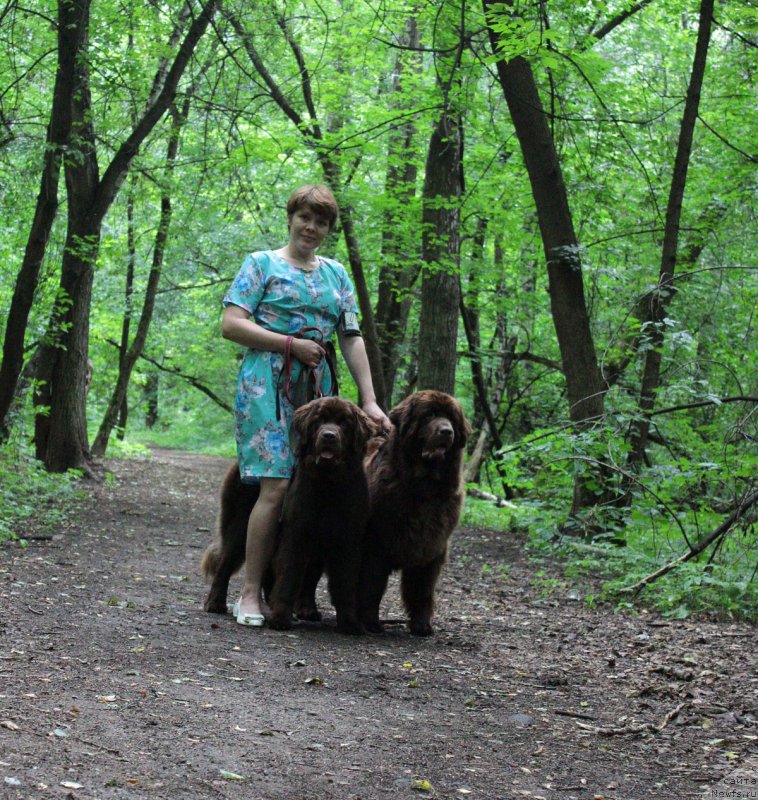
(325, 513)
(416, 499)
(323, 519)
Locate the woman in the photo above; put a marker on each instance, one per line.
(284, 305)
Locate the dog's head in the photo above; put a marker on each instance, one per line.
(331, 431)
(431, 424)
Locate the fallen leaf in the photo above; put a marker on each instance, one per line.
(71, 785)
(231, 776)
(11, 726)
(106, 698)
(421, 786)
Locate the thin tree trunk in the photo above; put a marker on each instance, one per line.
(665, 291)
(401, 263)
(128, 359)
(126, 326)
(71, 32)
(687, 259)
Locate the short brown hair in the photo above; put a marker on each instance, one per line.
(317, 197)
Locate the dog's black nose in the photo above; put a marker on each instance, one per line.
(329, 435)
(446, 430)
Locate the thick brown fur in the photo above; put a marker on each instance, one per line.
(416, 497)
(325, 514)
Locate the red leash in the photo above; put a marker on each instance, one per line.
(285, 378)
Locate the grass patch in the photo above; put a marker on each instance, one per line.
(30, 494)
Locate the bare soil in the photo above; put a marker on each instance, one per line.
(114, 683)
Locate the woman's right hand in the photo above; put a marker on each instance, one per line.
(307, 352)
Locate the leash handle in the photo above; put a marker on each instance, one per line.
(285, 378)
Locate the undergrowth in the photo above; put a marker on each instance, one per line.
(30, 495)
(676, 503)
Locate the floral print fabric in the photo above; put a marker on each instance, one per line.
(284, 299)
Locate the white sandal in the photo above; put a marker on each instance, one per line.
(251, 620)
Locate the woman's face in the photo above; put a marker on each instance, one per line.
(308, 229)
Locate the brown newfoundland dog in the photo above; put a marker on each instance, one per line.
(416, 496)
(323, 520)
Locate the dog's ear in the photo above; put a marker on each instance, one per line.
(363, 429)
(301, 421)
(404, 417)
(461, 425)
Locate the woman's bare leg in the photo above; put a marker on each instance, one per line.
(261, 537)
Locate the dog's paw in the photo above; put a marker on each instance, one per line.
(373, 626)
(279, 621)
(308, 614)
(214, 605)
(421, 627)
(350, 626)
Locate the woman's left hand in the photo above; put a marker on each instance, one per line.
(378, 416)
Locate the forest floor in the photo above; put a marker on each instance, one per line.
(115, 684)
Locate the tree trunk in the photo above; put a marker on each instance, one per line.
(61, 441)
(660, 299)
(401, 263)
(126, 325)
(61, 436)
(72, 18)
(151, 400)
(559, 242)
(440, 286)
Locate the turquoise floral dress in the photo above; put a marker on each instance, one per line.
(284, 299)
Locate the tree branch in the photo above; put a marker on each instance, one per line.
(704, 543)
(614, 22)
(179, 374)
(711, 402)
(275, 92)
(119, 166)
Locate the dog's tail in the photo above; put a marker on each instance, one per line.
(211, 559)
(227, 550)
(230, 488)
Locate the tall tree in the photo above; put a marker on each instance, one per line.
(61, 435)
(560, 244)
(72, 29)
(130, 352)
(440, 283)
(660, 299)
(440, 250)
(400, 256)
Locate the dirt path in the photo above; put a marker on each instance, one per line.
(115, 684)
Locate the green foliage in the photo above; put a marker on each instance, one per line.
(676, 504)
(196, 430)
(29, 494)
(484, 514)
